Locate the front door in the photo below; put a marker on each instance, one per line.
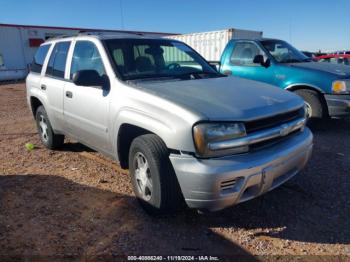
(240, 63)
(86, 108)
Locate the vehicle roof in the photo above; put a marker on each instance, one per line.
(102, 36)
(333, 55)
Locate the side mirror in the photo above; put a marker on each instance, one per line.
(259, 59)
(88, 78)
(215, 66)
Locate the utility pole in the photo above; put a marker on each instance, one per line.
(290, 30)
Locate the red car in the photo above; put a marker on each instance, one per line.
(334, 59)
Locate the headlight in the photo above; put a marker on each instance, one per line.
(341, 87)
(207, 134)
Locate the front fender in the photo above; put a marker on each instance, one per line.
(291, 87)
(175, 132)
(296, 77)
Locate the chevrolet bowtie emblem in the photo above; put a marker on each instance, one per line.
(285, 130)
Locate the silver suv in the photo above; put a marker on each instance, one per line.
(186, 132)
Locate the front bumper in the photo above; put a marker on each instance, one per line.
(213, 184)
(338, 105)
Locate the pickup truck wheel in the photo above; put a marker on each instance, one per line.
(313, 102)
(47, 136)
(152, 175)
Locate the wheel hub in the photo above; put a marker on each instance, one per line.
(308, 110)
(143, 176)
(43, 128)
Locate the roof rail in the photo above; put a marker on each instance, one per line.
(83, 32)
(58, 37)
(96, 33)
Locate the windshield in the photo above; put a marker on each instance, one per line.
(157, 58)
(284, 52)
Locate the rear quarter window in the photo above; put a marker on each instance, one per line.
(39, 58)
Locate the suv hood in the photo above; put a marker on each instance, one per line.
(342, 71)
(225, 98)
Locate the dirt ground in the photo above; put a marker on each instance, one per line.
(75, 202)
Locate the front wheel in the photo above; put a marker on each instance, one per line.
(314, 105)
(152, 175)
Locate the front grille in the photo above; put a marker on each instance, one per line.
(276, 120)
(271, 142)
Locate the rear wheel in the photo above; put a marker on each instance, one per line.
(314, 104)
(47, 136)
(152, 175)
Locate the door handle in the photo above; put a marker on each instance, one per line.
(43, 87)
(69, 94)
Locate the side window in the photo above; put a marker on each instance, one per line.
(86, 57)
(39, 58)
(243, 54)
(57, 63)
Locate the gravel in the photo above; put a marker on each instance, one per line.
(65, 203)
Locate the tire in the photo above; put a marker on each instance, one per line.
(314, 103)
(49, 139)
(153, 177)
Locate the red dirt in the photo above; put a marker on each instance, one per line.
(68, 203)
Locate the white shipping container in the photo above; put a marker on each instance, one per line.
(211, 44)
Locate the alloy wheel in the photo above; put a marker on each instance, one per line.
(143, 176)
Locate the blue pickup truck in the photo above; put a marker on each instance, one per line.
(324, 87)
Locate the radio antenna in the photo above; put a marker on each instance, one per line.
(121, 13)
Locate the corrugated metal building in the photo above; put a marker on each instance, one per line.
(18, 44)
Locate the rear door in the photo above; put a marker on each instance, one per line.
(53, 83)
(86, 108)
(33, 79)
(240, 62)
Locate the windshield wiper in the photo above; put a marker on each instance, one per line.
(149, 77)
(172, 76)
(201, 74)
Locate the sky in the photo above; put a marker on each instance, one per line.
(307, 24)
